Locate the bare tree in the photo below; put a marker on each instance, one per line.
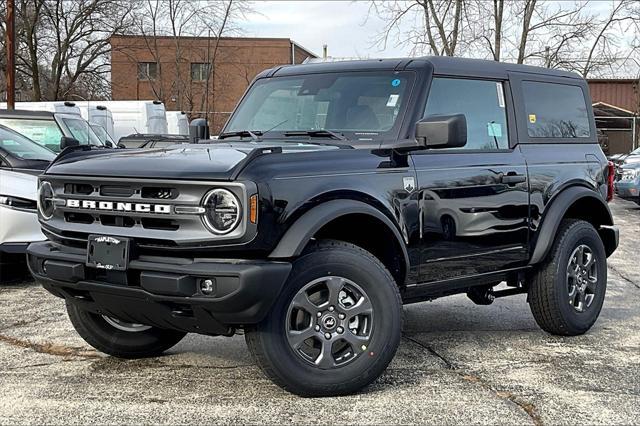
(498, 18)
(149, 23)
(30, 24)
(212, 56)
(437, 24)
(569, 35)
(173, 23)
(602, 52)
(63, 45)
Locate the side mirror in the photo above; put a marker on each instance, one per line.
(442, 131)
(198, 129)
(66, 142)
(121, 146)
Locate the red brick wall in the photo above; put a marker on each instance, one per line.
(237, 62)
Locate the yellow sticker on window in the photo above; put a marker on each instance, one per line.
(532, 118)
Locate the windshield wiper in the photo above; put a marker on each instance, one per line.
(318, 133)
(255, 135)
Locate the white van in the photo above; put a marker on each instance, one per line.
(177, 123)
(137, 117)
(64, 107)
(98, 114)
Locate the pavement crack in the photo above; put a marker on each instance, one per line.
(432, 351)
(22, 367)
(623, 276)
(15, 324)
(529, 408)
(49, 348)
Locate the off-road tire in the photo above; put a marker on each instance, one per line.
(548, 292)
(268, 343)
(97, 332)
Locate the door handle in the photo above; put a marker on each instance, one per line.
(513, 178)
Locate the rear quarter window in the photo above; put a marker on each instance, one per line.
(555, 110)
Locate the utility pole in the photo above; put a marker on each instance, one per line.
(11, 55)
(206, 90)
(547, 57)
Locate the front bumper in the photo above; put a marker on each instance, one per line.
(628, 190)
(17, 229)
(163, 292)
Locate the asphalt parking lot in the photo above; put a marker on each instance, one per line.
(458, 363)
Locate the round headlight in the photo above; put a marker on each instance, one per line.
(222, 211)
(45, 200)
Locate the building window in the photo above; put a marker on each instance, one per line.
(199, 71)
(147, 70)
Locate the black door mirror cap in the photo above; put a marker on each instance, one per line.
(67, 141)
(198, 130)
(442, 131)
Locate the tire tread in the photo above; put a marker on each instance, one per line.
(543, 297)
(253, 338)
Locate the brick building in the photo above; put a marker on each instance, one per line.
(175, 70)
(616, 105)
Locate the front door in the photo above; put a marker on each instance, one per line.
(473, 201)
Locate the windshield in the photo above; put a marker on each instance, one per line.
(358, 105)
(102, 133)
(23, 148)
(82, 131)
(43, 131)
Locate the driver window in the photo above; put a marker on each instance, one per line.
(482, 103)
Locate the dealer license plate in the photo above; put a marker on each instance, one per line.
(107, 252)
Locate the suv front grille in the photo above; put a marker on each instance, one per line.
(142, 209)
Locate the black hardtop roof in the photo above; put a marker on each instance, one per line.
(440, 64)
(21, 113)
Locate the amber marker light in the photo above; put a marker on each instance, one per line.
(253, 208)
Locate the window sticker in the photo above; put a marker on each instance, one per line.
(393, 100)
(494, 130)
(532, 118)
(395, 82)
(500, 90)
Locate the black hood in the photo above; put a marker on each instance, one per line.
(215, 161)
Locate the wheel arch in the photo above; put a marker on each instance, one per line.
(576, 202)
(351, 221)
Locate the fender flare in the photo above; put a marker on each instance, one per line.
(304, 228)
(554, 215)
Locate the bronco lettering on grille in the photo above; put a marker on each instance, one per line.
(119, 206)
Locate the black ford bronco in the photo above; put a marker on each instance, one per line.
(335, 194)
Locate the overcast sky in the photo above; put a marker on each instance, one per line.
(345, 26)
(342, 25)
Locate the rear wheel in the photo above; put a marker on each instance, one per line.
(567, 292)
(119, 338)
(448, 228)
(336, 326)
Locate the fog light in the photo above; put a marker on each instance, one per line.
(207, 286)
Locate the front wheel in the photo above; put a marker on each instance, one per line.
(119, 338)
(336, 326)
(568, 289)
